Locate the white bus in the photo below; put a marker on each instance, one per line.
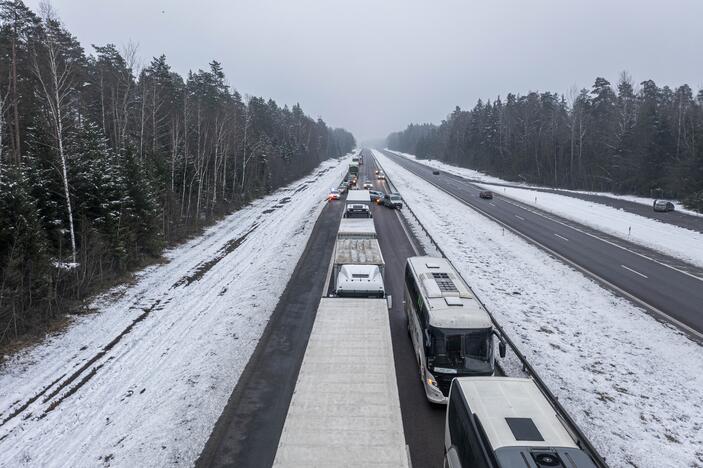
(451, 332)
(502, 422)
(345, 410)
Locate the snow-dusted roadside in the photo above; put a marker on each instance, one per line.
(678, 242)
(152, 397)
(480, 176)
(684, 244)
(633, 384)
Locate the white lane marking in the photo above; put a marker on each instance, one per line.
(520, 217)
(686, 328)
(507, 199)
(635, 272)
(492, 204)
(561, 237)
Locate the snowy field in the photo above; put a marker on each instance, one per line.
(675, 241)
(634, 385)
(142, 382)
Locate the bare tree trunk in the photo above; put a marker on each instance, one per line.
(16, 143)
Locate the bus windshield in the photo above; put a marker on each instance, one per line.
(467, 351)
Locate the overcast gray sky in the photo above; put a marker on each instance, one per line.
(375, 66)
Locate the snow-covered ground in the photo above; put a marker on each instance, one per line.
(142, 382)
(678, 242)
(633, 384)
(482, 177)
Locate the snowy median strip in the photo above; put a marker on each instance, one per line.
(143, 381)
(633, 384)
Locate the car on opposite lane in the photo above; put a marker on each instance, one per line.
(486, 194)
(368, 185)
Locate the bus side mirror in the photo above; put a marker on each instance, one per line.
(501, 349)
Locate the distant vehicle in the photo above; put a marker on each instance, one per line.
(376, 196)
(487, 194)
(506, 422)
(368, 185)
(342, 187)
(663, 206)
(435, 172)
(357, 210)
(451, 332)
(354, 168)
(393, 200)
(381, 176)
(333, 195)
(377, 172)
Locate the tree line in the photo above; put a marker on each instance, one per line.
(103, 163)
(644, 141)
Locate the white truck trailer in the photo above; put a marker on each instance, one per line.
(345, 410)
(356, 228)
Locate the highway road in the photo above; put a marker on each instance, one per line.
(677, 218)
(247, 433)
(644, 277)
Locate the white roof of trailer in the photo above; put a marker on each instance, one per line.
(357, 227)
(357, 252)
(345, 409)
(500, 401)
(358, 196)
(451, 303)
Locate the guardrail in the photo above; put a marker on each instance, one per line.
(577, 434)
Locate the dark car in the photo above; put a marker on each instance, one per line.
(393, 200)
(435, 172)
(487, 194)
(376, 196)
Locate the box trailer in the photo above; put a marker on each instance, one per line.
(357, 228)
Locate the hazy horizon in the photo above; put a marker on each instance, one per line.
(374, 68)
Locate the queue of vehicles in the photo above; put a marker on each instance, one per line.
(491, 420)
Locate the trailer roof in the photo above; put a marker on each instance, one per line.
(514, 413)
(356, 227)
(345, 410)
(358, 196)
(357, 252)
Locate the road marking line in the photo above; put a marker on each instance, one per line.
(492, 204)
(520, 217)
(698, 336)
(561, 237)
(634, 271)
(530, 209)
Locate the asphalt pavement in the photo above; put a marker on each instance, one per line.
(423, 422)
(247, 433)
(665, 287)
